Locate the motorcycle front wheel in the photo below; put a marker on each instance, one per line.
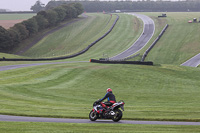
(117, 116)
(93, 116)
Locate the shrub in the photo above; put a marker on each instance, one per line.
(31, 25)
(42, 22)
(5, 39)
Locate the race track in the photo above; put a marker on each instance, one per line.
(62, 120)
(148, 31)
(10, 67)
(193, 62)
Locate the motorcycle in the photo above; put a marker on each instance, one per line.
(113, 112)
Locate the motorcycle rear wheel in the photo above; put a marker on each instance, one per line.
(117, 116)
(93, 116)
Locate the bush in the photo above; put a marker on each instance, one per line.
(42, 22)
(52, 17)
(15, 37)
(5, 39)
(31, 25)
(79, 8)
(70, 11)
(21, 29)
(61, 13)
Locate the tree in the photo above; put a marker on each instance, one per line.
(38, 6)
(15, 37)
(52, 17)
(61, 13)
(43, 13)
(79, 8)
(5, 39)
(31, 25)
(70, 10)
(42, 22)
(21, 29)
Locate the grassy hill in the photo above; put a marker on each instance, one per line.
(79, 35)
(150, 92)
(180, 42)
(72, 38)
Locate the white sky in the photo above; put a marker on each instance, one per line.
(19, 5)
(23, 5)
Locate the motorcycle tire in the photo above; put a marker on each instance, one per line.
(93, 116)
(117, 116)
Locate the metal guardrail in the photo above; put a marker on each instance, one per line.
(127, 58)
(153, 44)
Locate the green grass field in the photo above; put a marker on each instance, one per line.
(16, 16)
(23, 127)
(180, 42)
(9, 55)
(158, 93)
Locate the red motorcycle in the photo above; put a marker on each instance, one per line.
(113, 112)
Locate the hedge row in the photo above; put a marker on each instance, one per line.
(70, 56)
(11, 38)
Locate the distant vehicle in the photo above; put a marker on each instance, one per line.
(195, 20)
(118, 11)
(163, 15)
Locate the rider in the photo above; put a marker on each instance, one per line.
(111, 99)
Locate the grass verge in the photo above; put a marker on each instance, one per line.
(163, 92)
(23, 127)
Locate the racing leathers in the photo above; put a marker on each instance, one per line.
(111, 100)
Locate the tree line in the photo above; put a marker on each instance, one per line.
(145, 6)
(12, 37)
(2, 10)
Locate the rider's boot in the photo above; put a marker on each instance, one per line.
(101, 113)
(106, 109)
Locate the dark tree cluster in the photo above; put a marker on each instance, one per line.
(11, 38)
(38, 6)
(141, 6)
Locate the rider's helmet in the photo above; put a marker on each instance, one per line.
(108, 90)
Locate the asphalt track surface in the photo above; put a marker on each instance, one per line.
(148, 31)
(10, 67)
(61, 120)
(193, 62)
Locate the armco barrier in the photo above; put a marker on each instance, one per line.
(153, 44)
(121, 62)
(66, 57)
(127, 58)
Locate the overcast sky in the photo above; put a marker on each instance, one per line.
(22, 5)
(19, 5)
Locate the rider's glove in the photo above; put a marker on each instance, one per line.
(98, 101)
